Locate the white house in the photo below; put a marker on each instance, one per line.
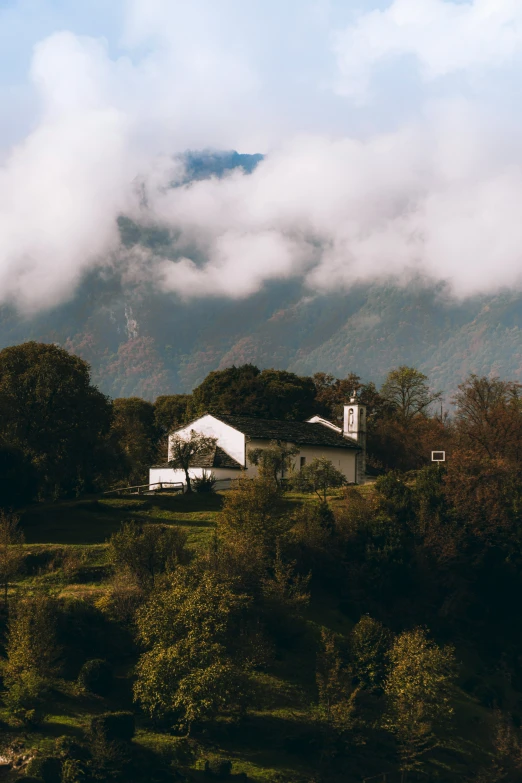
(236, 436)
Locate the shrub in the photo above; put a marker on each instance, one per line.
(114, 726)
(218, 768)
(25, 698)
(47, 768)
(204, 483)
(96, 677)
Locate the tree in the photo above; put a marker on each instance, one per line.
(192, 667)
(331, 394)
(407, 390)
(11, 550)
(489, 417)
(171, 411)
(50, 411)
(245, 390)
(31, 656)
(134, 433)
(184, 451)
(18, 478)
(253, 512)
(369, 646)
(418, 689)
(319, 476)
(274, 461)
(144, 553)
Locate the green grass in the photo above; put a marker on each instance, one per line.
(92, 520)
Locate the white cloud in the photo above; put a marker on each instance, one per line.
(437, 196)
(444, 37)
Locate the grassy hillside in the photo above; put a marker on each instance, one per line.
(66, 553)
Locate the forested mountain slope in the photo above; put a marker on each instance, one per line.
(141, 342)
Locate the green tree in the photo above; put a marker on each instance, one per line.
(184, 452)
(254, 513)
(275, 461)
(408, 391)
(32, 655)
(135, 434)
(418, 689)
(18, 478)
(319, 476)
(369, 646)
(50, 410)
(12, 554)
(144, 553)
(247, 391)
(171, 411)
(192, 668)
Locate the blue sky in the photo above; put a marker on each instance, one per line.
(392, 133)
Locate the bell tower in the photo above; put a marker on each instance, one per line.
(355, 428)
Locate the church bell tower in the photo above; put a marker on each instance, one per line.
(354, 427)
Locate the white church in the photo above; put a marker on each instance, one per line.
(236, 436)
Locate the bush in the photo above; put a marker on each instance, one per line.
(204, 483)
(47, 768)
(96, 677)
(114, 726)
(25, 698)
(218, 768)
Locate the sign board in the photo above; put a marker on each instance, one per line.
(438, 456)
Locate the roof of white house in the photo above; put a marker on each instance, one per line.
(214, 458)
(302, 433)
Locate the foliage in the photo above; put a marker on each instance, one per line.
(253, 512)
(408, 392)
(96, 677)
(26, 696)
(18, 477)
(184, 452)
(275, 461)
(171, 411)
(11, 550)
(31, 640)
(204, 483)
(47, 768)
(135, 436)
(418, 689)
(369, 646)
(147, 552)
(51, 412)
(245, 390)
(114, 726)
(319, 476)
(191, 669)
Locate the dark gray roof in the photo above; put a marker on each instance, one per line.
(216, 458)
(302, 433)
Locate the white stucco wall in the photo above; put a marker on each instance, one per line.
(223, 476)
(230, 439)
(343, 459)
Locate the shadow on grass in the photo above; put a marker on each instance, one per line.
(93, 520)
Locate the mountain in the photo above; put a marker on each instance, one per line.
(145, 343)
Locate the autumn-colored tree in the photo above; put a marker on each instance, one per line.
(408, 392)
(489, 418)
